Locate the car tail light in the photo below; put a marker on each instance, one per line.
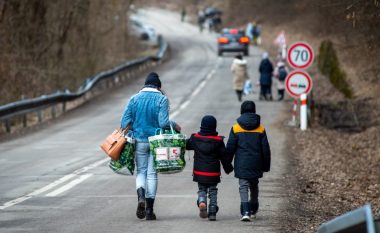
(244, 40)
(223, 40)
(234, 31)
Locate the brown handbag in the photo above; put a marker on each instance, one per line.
(113, 145)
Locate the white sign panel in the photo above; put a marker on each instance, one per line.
(297, 83)
(300, 55)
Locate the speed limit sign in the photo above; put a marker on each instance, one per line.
(300, 55)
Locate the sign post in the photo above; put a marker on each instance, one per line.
(298, 83)
(303, 112)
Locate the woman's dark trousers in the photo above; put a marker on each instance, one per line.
(266, 92)
(239, 94)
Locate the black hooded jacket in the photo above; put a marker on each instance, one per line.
(209, 151)
(249, 143)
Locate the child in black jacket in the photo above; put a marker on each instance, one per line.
(209, 151)
(249, 142)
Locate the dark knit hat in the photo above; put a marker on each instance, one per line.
(248, 107)
(239, 56)
(153, 80)
(208, 126)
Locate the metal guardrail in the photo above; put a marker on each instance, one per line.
(356, 221)
(23, 107)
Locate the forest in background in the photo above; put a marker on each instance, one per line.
(50, 45)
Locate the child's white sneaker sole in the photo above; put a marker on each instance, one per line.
(245, 219)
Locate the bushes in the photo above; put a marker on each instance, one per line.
(328, 64)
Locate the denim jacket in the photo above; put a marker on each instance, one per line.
(146, 111)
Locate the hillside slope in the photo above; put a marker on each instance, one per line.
(52, 45)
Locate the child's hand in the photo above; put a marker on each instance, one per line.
(229, 169)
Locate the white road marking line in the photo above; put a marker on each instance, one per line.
(37, 192)
(52, 185)
(195, 92)
(69, 185)
(91, 166)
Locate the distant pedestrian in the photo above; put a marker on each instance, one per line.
(266, 71)
(145, 112)
(256, 31)
(209, 151)
(248, 142)
(240, 75)
(183, 14)
(280, 72)
(201, 20)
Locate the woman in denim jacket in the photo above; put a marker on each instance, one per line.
(145, 112)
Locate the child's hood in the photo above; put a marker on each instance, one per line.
(249, 121)
(207, 144)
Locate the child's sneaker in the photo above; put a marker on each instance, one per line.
(245, 218)
(212, 212)
(245, 212)
(254, 207)
(202, 210)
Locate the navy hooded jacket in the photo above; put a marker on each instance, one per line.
(249, 143)
(266, 70)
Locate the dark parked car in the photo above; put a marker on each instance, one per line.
(233, 40)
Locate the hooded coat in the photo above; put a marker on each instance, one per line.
(249, 143)
(266, 70)
(276, 73)
(240, 73)
(209, 152)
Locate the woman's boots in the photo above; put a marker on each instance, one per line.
(143, 202)
(140, 212)
(149, 209)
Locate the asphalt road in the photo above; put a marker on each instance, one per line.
(57, 180)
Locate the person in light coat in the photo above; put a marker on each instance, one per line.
(240, 75)
(280, 72)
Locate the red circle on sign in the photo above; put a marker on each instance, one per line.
(287, 84)
(308, 47)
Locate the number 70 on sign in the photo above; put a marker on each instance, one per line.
(300, 55)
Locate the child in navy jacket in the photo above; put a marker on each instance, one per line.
(249, 143)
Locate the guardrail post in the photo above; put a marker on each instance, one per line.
(24, 121)
(7, 126)
(53, 111)
(39, 115)
(64, 107)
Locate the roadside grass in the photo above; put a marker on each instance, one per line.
(328, 64)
